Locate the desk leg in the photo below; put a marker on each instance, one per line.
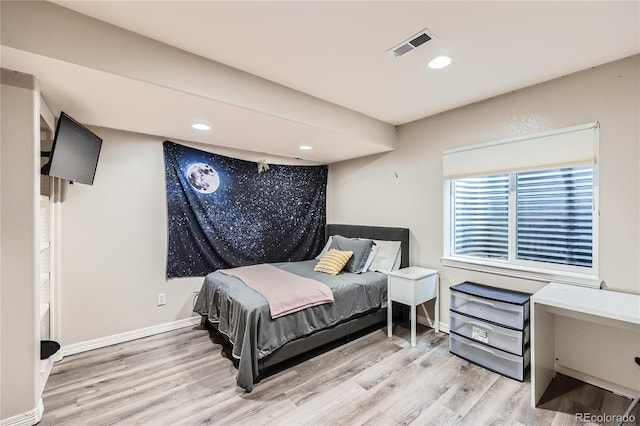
(542, 351)
(389, 315)
(413, 326)
(437, 305)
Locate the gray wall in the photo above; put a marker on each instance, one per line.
(405, 187)
(114, 242)
(114, 233)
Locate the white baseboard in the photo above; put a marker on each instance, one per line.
(77, 348)
(604, 384)
(444, 328)
(29, 418)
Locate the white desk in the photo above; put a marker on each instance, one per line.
(560, 344)
(413, 286)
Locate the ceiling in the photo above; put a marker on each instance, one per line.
(337, 51)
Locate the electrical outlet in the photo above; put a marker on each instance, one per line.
(162, 299)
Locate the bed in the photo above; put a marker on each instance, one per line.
(241, 315)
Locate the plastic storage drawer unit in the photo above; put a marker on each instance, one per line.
(490, 327)
(504, 307)
(492, 359)
(496, 336)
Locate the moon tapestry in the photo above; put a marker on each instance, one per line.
(223, 213)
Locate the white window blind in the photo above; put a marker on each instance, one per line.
(552, 210)
(561, 148)
(482, 216)
(555, 216)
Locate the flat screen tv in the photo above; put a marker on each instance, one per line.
(74, 153)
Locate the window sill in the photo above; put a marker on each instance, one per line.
(524, 272)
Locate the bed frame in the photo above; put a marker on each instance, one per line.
(350, 327)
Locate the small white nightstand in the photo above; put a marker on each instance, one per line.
(413, 286)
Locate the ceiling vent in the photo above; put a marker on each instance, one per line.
(411, 43)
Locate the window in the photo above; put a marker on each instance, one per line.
(481, 216)
(552, 217)
(525, 207)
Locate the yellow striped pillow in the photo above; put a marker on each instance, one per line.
(333, 261)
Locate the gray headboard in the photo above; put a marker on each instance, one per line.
(374, 233)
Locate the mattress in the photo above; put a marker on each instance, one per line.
(242, 314)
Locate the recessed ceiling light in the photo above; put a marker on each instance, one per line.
(306, 147)
(201, 126)
(439, 62)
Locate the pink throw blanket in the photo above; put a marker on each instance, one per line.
(285, 292)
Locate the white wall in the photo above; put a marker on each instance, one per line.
(114, 243)
(19, 196)
(405, 187)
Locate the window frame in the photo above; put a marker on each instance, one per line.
(538, 271)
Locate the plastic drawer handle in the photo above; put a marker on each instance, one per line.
(481, 325)
(482, 348)
(483, 302)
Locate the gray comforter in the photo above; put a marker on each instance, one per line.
(242, 314)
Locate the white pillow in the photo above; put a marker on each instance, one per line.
(372, 255)
(326, 248)
(388, 257)
(398, 261)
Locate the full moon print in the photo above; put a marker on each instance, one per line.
(203, 178)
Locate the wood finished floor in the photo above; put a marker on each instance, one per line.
(185, 377)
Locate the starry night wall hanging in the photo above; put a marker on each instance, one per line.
(222, 213)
